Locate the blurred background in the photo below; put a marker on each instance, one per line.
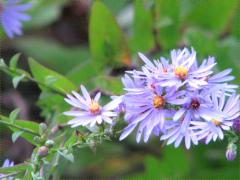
(94, 45)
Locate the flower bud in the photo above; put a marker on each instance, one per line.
(43, 151)
(49, 143)
(37, 139)
(236, 125)
(42, 128)
(54, 130)
(231, 152)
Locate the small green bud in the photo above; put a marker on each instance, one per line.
(49, 143)
(42, 128)
(37, 139)
(43, 151)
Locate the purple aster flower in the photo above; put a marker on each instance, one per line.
(176, 133)
(196, 107)
(146, 107)
(7, 163)
(212, 128)
(151, 71)
(219, 81)
(12, 13)
(121, 106)
(184, 70)
(88, 111)
(157, 68)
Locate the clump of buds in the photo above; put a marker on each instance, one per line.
(231, 152)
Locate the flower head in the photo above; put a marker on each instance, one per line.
(185, 71)
(212, 127)
(146, 106)
(176, 133)
(12, 13)
(88, 111)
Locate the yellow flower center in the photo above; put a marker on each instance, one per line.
(94, 107)
(181, 72)
(158, 101)
(216, 122)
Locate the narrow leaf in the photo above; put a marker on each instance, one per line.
(13, 115)
(16, 135)
(16, 80)
(14, 169)
(68, 156)
(2, 63)
(143, 38)
(108, 45)
(14, 61)
(40, 73)
(29, 128)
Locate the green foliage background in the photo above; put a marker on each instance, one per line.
(117, 30)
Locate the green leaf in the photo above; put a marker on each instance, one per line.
(29, 128)
(39, 16)
(228, 56)
(51, 102)
(14, 61)
(40, 72)
(49, 80)
(203, 42)
(14, 169)
(71, 140)
(236, 25)
(167, 13)
(2, 64)
(143, 38)
(211, 15)
(108, 45)
(17, 79)
(115, 6)
(16, 135)
(112, 84)
(76, 73)
(52, 54)
(13, 115)
(66, 155)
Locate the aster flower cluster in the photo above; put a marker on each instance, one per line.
(176, 99)
(12, 13)
(179, 100)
